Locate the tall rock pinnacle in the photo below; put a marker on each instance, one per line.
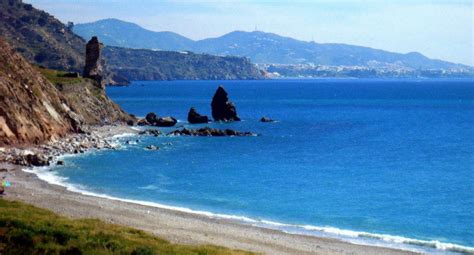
(222, 108)
(93, 68)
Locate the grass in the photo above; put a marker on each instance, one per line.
(25, 229)
(57, 77)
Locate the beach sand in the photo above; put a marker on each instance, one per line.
(175, 226)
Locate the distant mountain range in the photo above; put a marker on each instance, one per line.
(45, 41)
(114, 32)
(260, 47)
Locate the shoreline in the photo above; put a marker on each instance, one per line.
(175, 226)
(236, 230)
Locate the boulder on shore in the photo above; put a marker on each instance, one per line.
(195, 118)
(222, 108)
(207, 131)
(36, 160)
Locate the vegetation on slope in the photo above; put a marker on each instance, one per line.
(85, 98)
(39, 37)
(59, 77)
(26, 229)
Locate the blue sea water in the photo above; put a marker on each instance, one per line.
(387, 162)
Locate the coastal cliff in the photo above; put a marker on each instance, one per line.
(135, 64)
(34, 110)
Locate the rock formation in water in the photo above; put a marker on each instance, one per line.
(266, 119)
(207, 131)
(93, 68)
(153, 120)
(222, 108)
(166, 122)
(195, 118)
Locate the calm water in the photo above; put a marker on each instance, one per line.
(393, 158)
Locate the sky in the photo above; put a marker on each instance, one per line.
(441, 29)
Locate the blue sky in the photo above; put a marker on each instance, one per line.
(442, 29)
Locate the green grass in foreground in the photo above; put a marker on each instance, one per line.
(57, 77)
(25, 229)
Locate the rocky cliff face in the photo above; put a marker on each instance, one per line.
(32, 110)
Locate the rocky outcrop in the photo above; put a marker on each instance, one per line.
(222, 108)
(195, 118)
(165, 122)
(37, 160)
(153, 120)
(93, 68)
(152, 132)
(142, 122)
(92, 105)
(32, 110)
(207, 131)
(152, 147)
(266, 119)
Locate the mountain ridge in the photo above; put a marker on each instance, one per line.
(270, 48)
(152, 40)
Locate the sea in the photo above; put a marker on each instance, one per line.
(379, 162)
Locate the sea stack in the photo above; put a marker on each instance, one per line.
(93, 68)
(222, 108)
(195, 118)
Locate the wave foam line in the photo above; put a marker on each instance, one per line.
(51, 177)
(44, 173)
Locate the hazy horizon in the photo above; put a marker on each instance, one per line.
(437, 29)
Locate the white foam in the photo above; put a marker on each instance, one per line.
(51, 177)
(356, 237)
(123, 135)
(149, 187)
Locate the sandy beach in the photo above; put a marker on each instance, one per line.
(176, 226)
